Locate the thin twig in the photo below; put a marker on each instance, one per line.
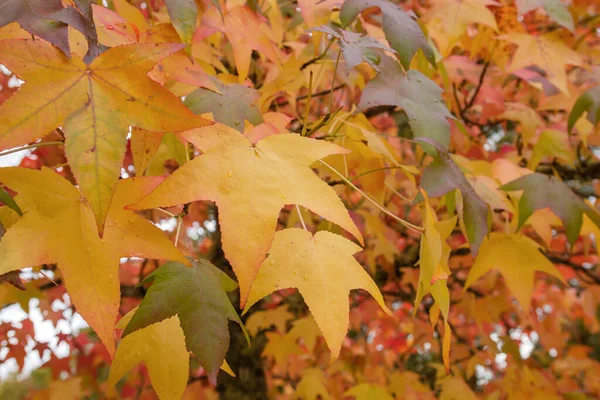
(31, 146)
(407, 224)
(300, 217)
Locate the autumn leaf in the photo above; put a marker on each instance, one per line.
(161, 346)
(198, 296)
(312, 385)
(184, 16)
(250, 184)
(401, 29)
(323, 270)
(261, 320)
(94, 103)
(416, 94)
(555, 9)
(547, 52)
(58, 227)
(356, 48)
(442, 176)
(369, 391)
(588, 102)
(542, 191)
(551, 143)
(232, 106)
(434, 270)
(10, 202)
(517, 257)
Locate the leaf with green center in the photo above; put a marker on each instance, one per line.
(198, 296)
(356, 48)
(588, 102)
(324, 270)
(184, 16)
(251, 183)
(418, 95)
(235, 104)
(94, 103)
(401, 29)
(442, 176)
(543, 191)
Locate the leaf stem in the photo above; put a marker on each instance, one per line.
(307, 112)
(300, 217)
(179, 223)
(31, 146)
(407, 224)
(170, 214)
(337, 61)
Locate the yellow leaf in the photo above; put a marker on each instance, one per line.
(281, 348)
(94, 103)
(10, 294)
(324, 271)
(547, 52)
(454, 388)
(369, 391)
(161, 347)
(265, 319)
(448, 20)
(250, 184)
(59, 228)
(434, 270)
(529, 119)
(517, 257)
(312, 385)
(552, 143)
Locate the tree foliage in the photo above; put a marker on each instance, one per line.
(299, 199)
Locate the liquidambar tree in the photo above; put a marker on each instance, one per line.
(299, 199)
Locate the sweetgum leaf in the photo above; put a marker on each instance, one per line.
(49, 20)
(356, 48)
(556, 10)
(442, 176)
(588, 102)
(184, 15)
(543, 191)
(235, 104)
(198, 296)
(418, 95)
(401, 29)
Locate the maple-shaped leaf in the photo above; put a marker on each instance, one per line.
(184, 16)
(401, 29)
(418, 95)
(161, 346)
(368, 391)
(324, 271)
(231, 107)
(551, 143)
(198, 296)
(261, 320)
(588, 102)
(442, 176)
(454, 16)
(517, 257)
(556, 10)
(58, 227)
(94, 103)
(356, 48)
(543, 191)
(312, 385)
(250, 184)
(547, 52)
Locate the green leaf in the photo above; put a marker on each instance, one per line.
(401, 28)
(235, 104)
(198, 296)
(544, 191)
(442, 176)
(589, 101)
(10, 202)
(419, 96)
(184, 15)
(356, 48)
